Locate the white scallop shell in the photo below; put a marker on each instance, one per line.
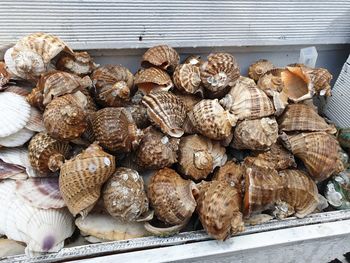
(10, 247)
(9, 170)
(14, 113)
(17, 139)
(35, 122)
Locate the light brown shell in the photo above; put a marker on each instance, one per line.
(194, 60)
(300, 192)
(5, 76)
(124, 195)
(232, 173)
(162, 56)
(82, 177)
(64, 118)
(218, 207)
(187, 78)
(198, 156)
(113, 85)
(258, 68)
(166, 111)
(301, 117)
(271, 81)
(189, 100)
(258, 134)
(152, 80)
(47, 154)
(219, 73)
(211, 120)
(171, 197)
(115, 129)
(90, 105)
(156, 150)
(35, 98)
(246, 101)
(139, 114)
(80, 63)
(318, 151)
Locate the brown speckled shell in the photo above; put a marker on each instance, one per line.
(115, 129)
(218, 207)
(187, 78)
(156, 150)
(258, 68)
(166, 111)
(162, 56)
(139, 114)
(47, 154)
(171, 197)
(5, 76)
(152, 80)
(232, 173)
(82, 177)
(124, 195)
(80, 63)
(113, 85)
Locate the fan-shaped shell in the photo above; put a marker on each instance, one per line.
(152, 80)
(166, 111)
(124, 195)
(47, 154)
(139, 114)
(171, 197)
(211, 120)
(246, 101)
(198, 156)
(232, 173)
(23, 91)
(64, 118)
(13, 171)
(219, 73)
(187, 78)
(162, 56)
(5, 76)
(82, 177)
(41, 193)
(35, 122)
(318, 151)
(17, 139)
(113, 85)
(14, 113)
(219, 206)
(79, 63)
(115, 129)
(258, 134)
(258, 68)
(156, 150)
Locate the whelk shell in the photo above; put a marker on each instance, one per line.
(82, 177)
(232, 173)
(139, 114)
(258, 68)
(187, 78)
(79, 63)
(271, 81)
(166, 111)
(152, 80)
(162, 56)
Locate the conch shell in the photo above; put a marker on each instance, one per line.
(162, 56)
(80, 63)
(187, 78)
(258, 68)
(152, 80)
(82, 177)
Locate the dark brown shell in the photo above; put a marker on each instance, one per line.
(258, 68)
(139, 114)
(79, 63)
(152, 80)
(232, 173)
(162, 56)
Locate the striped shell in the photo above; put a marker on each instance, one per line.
(82, 177)
(271, 81)
(152, 80)
(166, 111)
(258, 68)
(187, 78)
(162, 56)
(113, 85)
(79, 63)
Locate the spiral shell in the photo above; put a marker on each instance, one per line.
(152, 80)
(115, 129)
(79, 63)
(113, 85)
(166, 111)
(271, 81)
(162, 56)
(156, 150)
(187, 78)
(5, 76)
(47, 154)
(219, 207)
(258, 68)
(232, 173)
(211, 120)
(219, 73)
(82, 177)
(171, 197)
(124, 195)
(198, 156)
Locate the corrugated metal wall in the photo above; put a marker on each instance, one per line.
(88, 24)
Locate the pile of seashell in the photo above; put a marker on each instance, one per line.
(127, 156)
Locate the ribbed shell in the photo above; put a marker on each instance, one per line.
(115, 129)
(258, 68)
(271, 81)
(246, 101)
(198, 156)
(124, 195)
(171, 197)
(156, 150)
(17, 139)
(300, 192)
(211, 120)
(47, 154)
(219, 206)
(187, 78)
(258, 134)
(82, 177)
(232, 173)
(5, 76)
(35, 122)
(166, 111)
(219, 73)
(162, 56)
(321, 79)
(113, 85)
(139, 114)
(318, 151)
(80, 63)
(64, 118)
(301, 117)
(152, 80)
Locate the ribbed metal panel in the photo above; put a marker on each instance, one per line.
(88, 24)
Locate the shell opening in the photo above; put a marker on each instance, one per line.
(55, 162)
